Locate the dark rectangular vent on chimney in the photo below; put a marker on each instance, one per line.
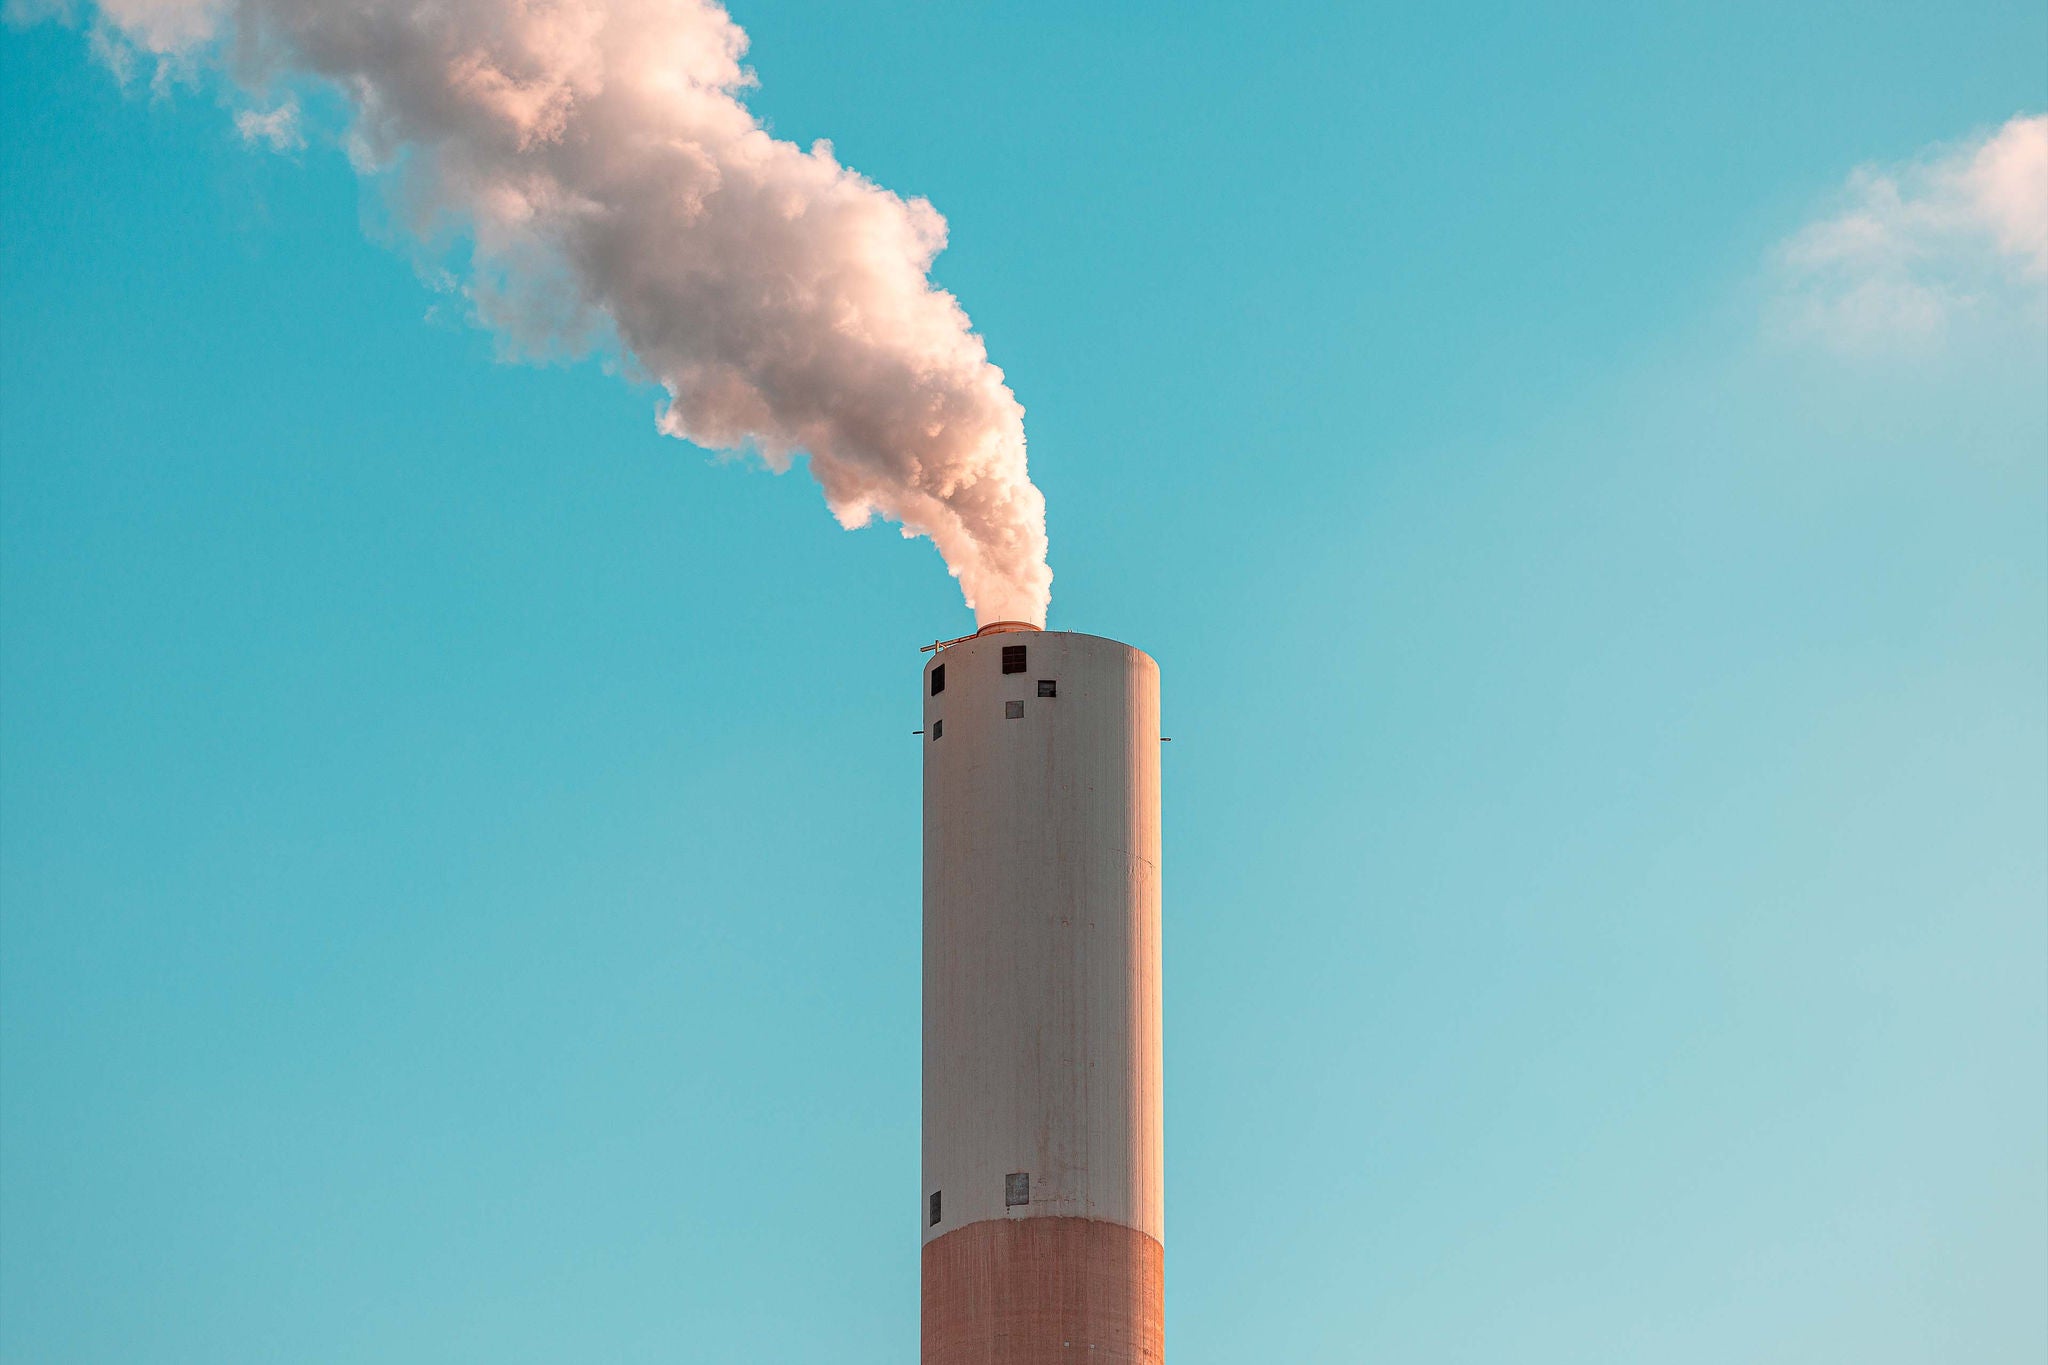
(1017, 1189)
(1013, 658)
(938, 680)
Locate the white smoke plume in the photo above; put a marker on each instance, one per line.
(599, 155)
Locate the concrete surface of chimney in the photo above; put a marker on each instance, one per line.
(1043, 1156)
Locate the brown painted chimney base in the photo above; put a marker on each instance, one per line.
(1043, 1291)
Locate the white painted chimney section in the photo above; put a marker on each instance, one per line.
(1041, 933)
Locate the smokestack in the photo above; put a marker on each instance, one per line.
(1043, 1157)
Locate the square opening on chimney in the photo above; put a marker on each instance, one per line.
(1048, 687)
(1013, 658)
(1013, 710)
(1016, 1189)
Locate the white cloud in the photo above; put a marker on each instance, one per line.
(278, 127)
(1912, 250)
(163, 26)
(22, 13)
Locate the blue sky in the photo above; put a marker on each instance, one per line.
(458, 846)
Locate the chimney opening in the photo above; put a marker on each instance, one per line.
(938, 728)
(938, 680)
(1048, 687)
(935, 1208)
(1016, 1189)
(1013, 658)
(1013, 710)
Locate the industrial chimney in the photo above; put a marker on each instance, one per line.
(1043, 1157)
